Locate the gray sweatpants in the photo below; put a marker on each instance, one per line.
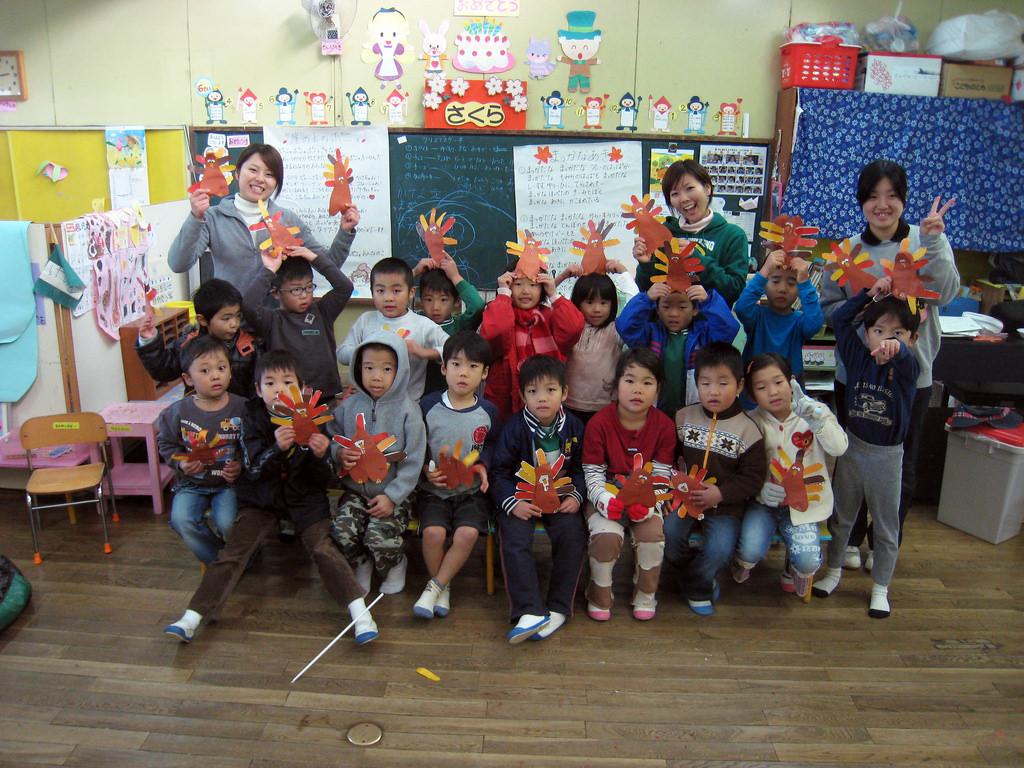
(874, 473)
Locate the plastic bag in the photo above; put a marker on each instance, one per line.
(979, 36)
(809, 32)
(891, 33)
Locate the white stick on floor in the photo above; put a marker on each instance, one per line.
(340, 635)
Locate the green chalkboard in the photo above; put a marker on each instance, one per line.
(236, 139)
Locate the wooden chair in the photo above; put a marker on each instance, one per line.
(67, 429)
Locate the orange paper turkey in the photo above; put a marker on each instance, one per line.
(905, 271)
(433, 233)
(849, 266)
(678, 268)
(281, 237)
(647, 222)
(533, 259)
(372, 465)
(800, 488)
(683, 486)
(641, 487)
(201, 448)
(212, 169)
(591, 247)
(338, 177)
(301, 415)
(790, 234)
(542, 485)
(458, 470)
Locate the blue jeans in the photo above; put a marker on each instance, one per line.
(801, 540)
(187, 519)
(697, 572)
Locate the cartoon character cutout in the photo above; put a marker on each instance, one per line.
(434, 45)
(538, 58)
(317, 102)
(679, 267)
(532, 258)
(285, 103)
(801, 487)
(579, 44)
(696, 114)
(338, 178)
(359, 102)
(684, 484)
(304, 416)
(542, 484)
(387, 35)
(554, 105)
(375, 457)
(281, 237)
(215, 102)
(249, 104)
(628, 109)
(905, 271)
(728, 115)
(646, 221)
(592, 109)
(639, 493)
(215, 167)
(396, 106)
(849, 266)
(591, 247)
(661, 113)
(790, 234)
(434, 233)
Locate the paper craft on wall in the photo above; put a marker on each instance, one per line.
(554, 105)
(459, 471)
(248, 105)
(359, 102)
(628, 108)
(661, 113)
(532, 258)
(338, 178)
(542, 484)
(477, 104)
(304, 416)
(434, 232)
(281, 238)
(801, 488)
(790, 234)
(579, 44)
(729, 115)
(434, 46)
(285, 103)
(201, 447)
(696, 114)
(591, 111)
(538, 57)
(591, 248)
(639, 492)
(372, 466)
(646, 222)
(482, 47)
(387, 36)
(905, 271)
(127, 166)
(684, 485)
(396, 107)
(317, 103)
(215, 103)
(215, 167)
(52, 171)
(679, 267)
(848, 266)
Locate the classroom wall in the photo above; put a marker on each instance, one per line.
(96, 62)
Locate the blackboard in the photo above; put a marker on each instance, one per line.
(201, 140)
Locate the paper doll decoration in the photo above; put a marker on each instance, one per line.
(483, 48)
(647, 222)
(372, 466)
(359, 102)
(554, 104)
(248, 105)
(661, 113)
(215, 170)
(304, 416)
(338, 177)
(396, 106)
(696, 114)
(215, 102)
(317, 103)
(849, 267)
(628, 109)
(790, 234)
(678, 267)
(728, 115)
(542, 485)
(591, 247)
(801, 488)
(434, 45)
(591, 111)
(533, 259)
(905, 271)
(459, 471)
(285, 103)
(640, 492)
(281, 237)
(202, 448)
(684, 484)
(149, 294)
(387, 35)
(538, 57)
(434, 233)
(579, 45)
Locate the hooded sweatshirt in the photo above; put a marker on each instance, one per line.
(394, 414)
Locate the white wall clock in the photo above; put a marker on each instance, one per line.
(12, 76)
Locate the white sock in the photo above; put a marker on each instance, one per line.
(190, 620)
(826, 584)
(879, 608)
(356, 607)
(557, 620)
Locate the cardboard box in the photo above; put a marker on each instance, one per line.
(975, 81)
(909, 74)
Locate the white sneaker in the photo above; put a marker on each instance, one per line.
(869, 561)
(444, 602)
(394, 582)
(851, 559)
(366, 629)
(364, 572)
(424, 607)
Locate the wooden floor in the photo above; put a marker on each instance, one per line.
(88, 679)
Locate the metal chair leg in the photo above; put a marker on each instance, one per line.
(103, 518)
(37, 558)
(113, 499)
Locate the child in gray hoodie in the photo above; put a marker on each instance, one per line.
(373, 513)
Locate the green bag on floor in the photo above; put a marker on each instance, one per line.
(14, 592)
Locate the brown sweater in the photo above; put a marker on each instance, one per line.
(736, 458)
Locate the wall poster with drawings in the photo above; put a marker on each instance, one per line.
(739, 173)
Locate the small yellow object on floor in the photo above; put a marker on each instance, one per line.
(428, 674)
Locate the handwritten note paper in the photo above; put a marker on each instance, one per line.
(305, 153)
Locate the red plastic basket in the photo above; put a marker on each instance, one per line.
(826, 64)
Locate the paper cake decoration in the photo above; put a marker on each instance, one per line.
(542, 485)
(202, 448)
(678, 268)
(372, 465)
(301, 415)
(683, 485)
(281, 237)
(591, 247)
(642, 488)
(213, 168)
(849, 266)
(338, 177)
(907, 282)
(533, 259)
(458, 470)
(646, 221)
(483, 48)
(434, 233)
(800, 488)
(790, 234)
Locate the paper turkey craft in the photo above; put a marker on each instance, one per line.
(301, 415)
(338, 178)
(591, 247)
(790, 234)
(202, 448)
(212, 168)
(458, 470)
(641, 488)
(849, 266)
(281, 237)
(905, 273)
(533, 259)
(434, 233)
(542, 485)
(372, 465)
(801, 488)
(646, 221)
(678, 268)
(683, 485)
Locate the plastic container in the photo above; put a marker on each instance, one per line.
(828, 64)
(983, 482)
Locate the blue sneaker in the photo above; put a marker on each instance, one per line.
(181, 633)
(706, 607)
(366, 630)
(528, 626)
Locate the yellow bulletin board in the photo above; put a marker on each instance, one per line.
(83, 153)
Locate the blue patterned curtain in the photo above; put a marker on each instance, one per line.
(971, 149)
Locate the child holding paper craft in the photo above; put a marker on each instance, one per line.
(881, 381)
(280, 478)
(629, 443)
(198, 437)
(301, 325)
(218, 306)
(379, 416)
(715, 435)
(688, 189)
(391, 284)
(538, 437)
(223, 229)
(462, 429)
(778, 327)
(799, 434)
(882, 194)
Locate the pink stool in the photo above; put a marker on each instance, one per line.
(137, 419)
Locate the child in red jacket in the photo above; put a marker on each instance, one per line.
(518, 325)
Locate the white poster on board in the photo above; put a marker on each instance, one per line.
(305, 152)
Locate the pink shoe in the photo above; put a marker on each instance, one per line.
(786, 582)
(598, 614)
(643, 614)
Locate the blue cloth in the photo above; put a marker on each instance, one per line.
(967, 148)
(18, 342)
(768, 331)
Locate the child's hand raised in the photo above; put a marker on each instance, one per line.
(270, 261)
(231, 471)
(881, 288)
(350, 218)
(613, 267)
(697, 293)
(318, 444)
(886, 351)
(640, 251)
(524, 510)
(301, 252)
(380, 506)
(418, 350)
(775, 260)
(451, 269)
(423, 265)
(657, 291)
(573, 270)
(802, 267)
(505, 281)
(547, 282)
(285, 437)
(148, 328)
(199, 202)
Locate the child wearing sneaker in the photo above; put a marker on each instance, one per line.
(372, 515)
(881, 375)
(717, 435)
(542, 425)
(799, 432)
(456, 417)
(629, 426)
(280, 478)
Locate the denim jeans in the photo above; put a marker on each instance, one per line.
(697, 571)
(188, 512)
(801, 540)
